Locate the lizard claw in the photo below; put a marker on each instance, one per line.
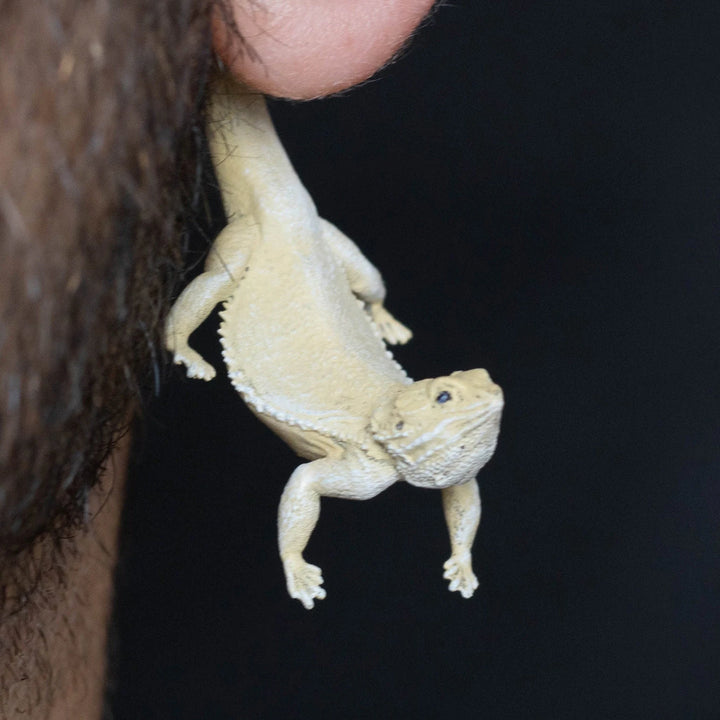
(303, 581)
(392, 331)
(458, 570)
(195, 366)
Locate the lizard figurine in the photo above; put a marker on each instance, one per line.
(303, 331)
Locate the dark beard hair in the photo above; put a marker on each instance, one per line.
(99, 139)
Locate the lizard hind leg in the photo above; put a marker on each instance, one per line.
(223, 271)
(391, 330)
(352, 476)
(366, 283)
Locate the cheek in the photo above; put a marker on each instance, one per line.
(308, 48)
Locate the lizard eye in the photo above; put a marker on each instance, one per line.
(443, 397)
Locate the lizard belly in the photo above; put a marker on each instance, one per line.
(302, 351)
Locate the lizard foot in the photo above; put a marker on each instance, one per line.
(458, 570)
(195, 366)
(303, 581)
(392, 331)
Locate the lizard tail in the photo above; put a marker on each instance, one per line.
(240, 136)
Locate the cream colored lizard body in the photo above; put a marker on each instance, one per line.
(302, 333)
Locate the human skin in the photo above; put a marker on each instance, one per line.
(309, 48)
(52, 647)
(77, 644)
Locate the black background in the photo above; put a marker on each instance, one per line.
(540, 185)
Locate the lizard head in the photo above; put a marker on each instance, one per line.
(441, 431)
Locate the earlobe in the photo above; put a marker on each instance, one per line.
(308, 48)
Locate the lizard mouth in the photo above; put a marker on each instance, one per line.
(451, 451)
(440, 432)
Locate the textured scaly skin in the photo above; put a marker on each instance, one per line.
(302, 334)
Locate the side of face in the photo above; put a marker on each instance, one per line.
(441, 431)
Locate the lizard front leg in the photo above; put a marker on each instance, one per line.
(352, 476)
(461, 504)
(223, 270)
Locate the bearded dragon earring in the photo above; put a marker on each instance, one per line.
(303, 333)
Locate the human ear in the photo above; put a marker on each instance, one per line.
(308, 48)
